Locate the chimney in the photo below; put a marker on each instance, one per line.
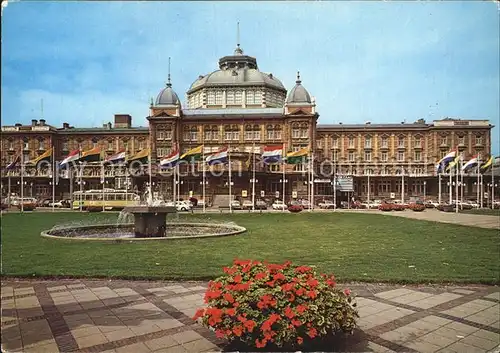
(123, 121)
(42, 122)
(34, 122)
(65, 126)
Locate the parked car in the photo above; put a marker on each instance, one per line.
(235, 205)
(431, 204)
(247, 205)
(260, 205)
(58, 204)
(182, 206)
(279, 205)
(326, 204)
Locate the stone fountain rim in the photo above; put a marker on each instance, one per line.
(236, 230)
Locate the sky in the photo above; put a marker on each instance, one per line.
(383, 62)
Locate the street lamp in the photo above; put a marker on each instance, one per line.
(253, 181)
(425, 189)
(82, 184)
(284, 181)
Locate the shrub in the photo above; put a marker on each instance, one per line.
(385, 207)
(295, 208)
(194, 201)
(265, 305)
(416, 207)
(446, 208)
(94, 208)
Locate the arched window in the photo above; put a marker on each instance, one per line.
(211, 133)
(252, 132)
(231, 133)
(273, 132)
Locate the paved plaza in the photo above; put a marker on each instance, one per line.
(131, 316)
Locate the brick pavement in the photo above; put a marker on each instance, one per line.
(131, 316)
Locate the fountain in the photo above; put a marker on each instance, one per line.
(150, 220)
(142, 222)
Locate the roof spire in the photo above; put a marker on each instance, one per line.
(169, 84)
(298, 78)
(238, 50)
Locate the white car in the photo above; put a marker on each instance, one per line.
(279, 205)
(56, 204)
(326, 204)
(181, 206)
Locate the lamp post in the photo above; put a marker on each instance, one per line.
(82, 184)
(253, 181)
(203, 186)
(283, 181)
(21, 186)
(230, 184)
(425, 190)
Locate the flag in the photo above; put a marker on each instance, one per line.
(40, 159)
(116, 158)
(443, 162)
(171, 160)
(219, 157)
(471, 163)
(485, 166)
(453, 163)
(92, 155)
(72, 157)
(297, 157)
(193, 154)
(272, 154)
(141, 157)
(14, 163)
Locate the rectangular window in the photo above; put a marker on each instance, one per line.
(304, 133)
(418, 142)
(351, 156)
(401, 142)
(444, 141)
(26, 146)
(41, 145)
(385, 142)
(161, 135)
(368, 142)
(218, 98)
(335, 156)
(238, 97)
(418, 156)
(250, 96)
(479, 140)
(295, 133)
(384, 186)
(442, 154)
(258, 97)
(11, 145)
(65, 146)
(385, 157)
(141, 145)
(319, 144)
(401, 156)
(110, 146)
(168, 134)
(211, 98)
(461, 140)
(335, 142)
(230, 97)
(368, 156)
(351, 142)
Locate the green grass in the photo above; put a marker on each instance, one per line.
(355, 247)
(483, 211)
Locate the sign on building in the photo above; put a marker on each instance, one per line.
(344, 183)
(244, 193)
(294, 194)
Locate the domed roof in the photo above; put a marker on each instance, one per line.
(237, 70)
(298, 94)
(167, 96)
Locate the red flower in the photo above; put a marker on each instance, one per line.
(242, 319)
(303, 269)
(237, 330)
(300, 291)
(291, 298)
(199, 313)
(250, 325)
(228, 297)
(347, 291)
(301, 308)
(312, 294)
(287, 287)
(219, 333)
(212, 295)
(242, 262)
(270, 283)
(237, 279)
(296, 323)
(260, 344)
(260, 275)
(279, 276)
(312, 332)
(300, 340)
(229, 270)
(231, 311)
(312, 282)
(289, 313)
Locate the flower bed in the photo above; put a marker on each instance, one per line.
(27, 206)
(416, 207)
(386, 207)
(265, 305)
(295, 208)
(396, 207)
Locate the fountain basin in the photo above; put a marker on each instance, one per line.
(150, 221)
(113, 232)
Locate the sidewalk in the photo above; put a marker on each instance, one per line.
(136, 317)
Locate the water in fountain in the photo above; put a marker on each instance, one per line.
(124, 217)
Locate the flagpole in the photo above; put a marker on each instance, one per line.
(150, 174)
(103, 189)
(53, 179)
(477, 180)
(253, 177)
(81, 188)
(22, 182)
(462, 182)
(456, 186)
(203, 165)
(335, 184)
(439, 186)
(283, 156)
(8, 199)
(312, 181)
(482, 190)
(229, 179)
(402, 185)
(492, 186)
(450, 187)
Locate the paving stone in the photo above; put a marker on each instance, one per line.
(51, 289)
(492, 336)
(377, 348)
(460, 328)
(495, 296)
(394, 293)
(186, 336)
(89, 341)
(411, 297)
(449, 333)
(50, 347)
(435, 300)
(422, 346)
(460, 347)
(122, 333)
(174, 349)
(484, 319)
(166, 324)
(162, 342)
(495, 325)
(135, 348)
(463, 291)
(201, 345)
(439, 321)
(479, 342)
(85, 331)
(144, 328)
(438, 340)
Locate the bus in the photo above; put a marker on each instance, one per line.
(109, 199)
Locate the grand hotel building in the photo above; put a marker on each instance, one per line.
(240, 106)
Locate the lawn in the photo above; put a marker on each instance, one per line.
(355, 247)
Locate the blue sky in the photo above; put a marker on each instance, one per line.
(377, 61)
